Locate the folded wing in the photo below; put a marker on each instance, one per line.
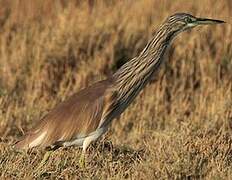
(77, 116)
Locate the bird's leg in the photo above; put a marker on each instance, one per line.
(82, 160)
(45, 158)
(86, 143)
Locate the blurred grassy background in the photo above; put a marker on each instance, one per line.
(180, 125)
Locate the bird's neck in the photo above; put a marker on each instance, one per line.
(135, 74)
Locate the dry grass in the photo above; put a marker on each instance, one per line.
(179, 127)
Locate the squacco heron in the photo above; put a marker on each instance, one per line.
(85, 116)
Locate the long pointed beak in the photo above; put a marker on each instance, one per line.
(205, 21)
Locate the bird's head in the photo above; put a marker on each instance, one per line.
(181, 21)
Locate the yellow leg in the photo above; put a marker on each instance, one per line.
(86, 143)
(45, 159)
(82, 160)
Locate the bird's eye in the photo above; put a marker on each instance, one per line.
(188, 20)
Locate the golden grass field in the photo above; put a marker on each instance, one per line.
(180, 126)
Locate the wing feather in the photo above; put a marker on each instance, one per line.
(79, 115)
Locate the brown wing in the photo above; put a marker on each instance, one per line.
(79, 115)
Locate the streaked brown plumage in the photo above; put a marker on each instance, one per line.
(86, 115)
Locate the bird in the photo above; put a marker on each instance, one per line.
(85, 116)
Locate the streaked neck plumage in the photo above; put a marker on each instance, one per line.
(134, 75)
